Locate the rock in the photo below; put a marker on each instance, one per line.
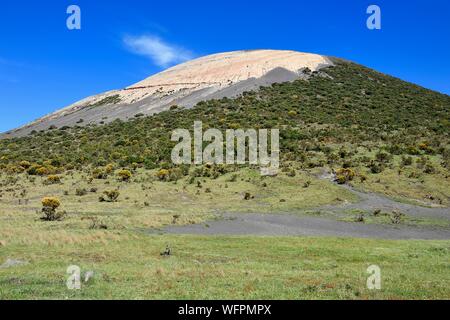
(88, 275)
(13, 263)
(269, 172)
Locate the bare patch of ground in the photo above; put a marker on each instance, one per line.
(293, 225)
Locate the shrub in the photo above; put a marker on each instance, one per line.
(163, 174)
(175, 218)
(396, 217)
(99, 174)
(32, 171)
(111, 196)
(406, 161)
(25, 164)
(81, 192)
(429, 169)
(413, 151)
(109, 168)
(42, 171)
(52, 179)
(51, 202)
(382, 157)
(344, 175)
(49, 206)
(175, 174)
(38, 170)
(124, 175)
(248, 196)
(426, 148)
(14, 169)
(376, 168)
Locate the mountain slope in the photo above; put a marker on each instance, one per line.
(395, 136)
(215, 76)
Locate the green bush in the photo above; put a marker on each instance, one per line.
(99, 173)
(163, 174)
(49, 206)
(111, 196)
(52, 179)
(124, 175)
(344, 175)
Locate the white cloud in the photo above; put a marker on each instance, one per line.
(160, 52)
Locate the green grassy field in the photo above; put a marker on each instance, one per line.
(407, 184)
(126, 258)
(129, 266)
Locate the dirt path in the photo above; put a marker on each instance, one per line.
(291, 225)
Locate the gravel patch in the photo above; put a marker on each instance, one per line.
(292, 225)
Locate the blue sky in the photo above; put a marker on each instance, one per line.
(44, 66)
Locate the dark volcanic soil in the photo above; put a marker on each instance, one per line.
(295, 225)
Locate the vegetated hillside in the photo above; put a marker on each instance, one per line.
(344, 116)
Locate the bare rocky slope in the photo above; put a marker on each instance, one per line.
(211, 77)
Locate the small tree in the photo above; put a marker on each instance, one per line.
(49, 206)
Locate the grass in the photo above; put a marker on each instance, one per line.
(129, 266)
(115, 99)
(402, 187)
(147, 202)
(127, 261)
(385, 218)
